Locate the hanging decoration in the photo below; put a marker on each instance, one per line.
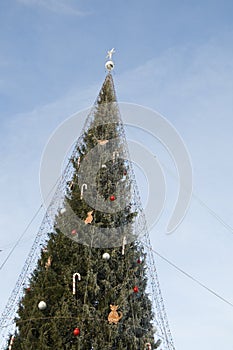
(44, 249)
(48, 263)
(114, 316)
(95, 303)
(112, 198)
(71, 185)
(123, 178)
(114, 156)
(76, 277)
(106, 256)
(148, 346)
(42, 305)
(11, 342)
(104, 166)
(89, 218)
(102, 142)
(78, 162)
(124, 242)
(76, 332)
(135, 289)
(84, 186)
(139, 261)
(63, 210)
(74, 232)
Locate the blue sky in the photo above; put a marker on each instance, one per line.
(172, 56)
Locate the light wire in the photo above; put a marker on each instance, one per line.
(193, 278)
(27, 227)
(20, 237)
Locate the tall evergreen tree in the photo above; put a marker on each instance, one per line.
(89, 289)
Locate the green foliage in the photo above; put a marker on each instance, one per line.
(103, 282)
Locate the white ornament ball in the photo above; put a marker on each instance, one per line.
(63, 210)
(109, 65)
(42, 305)
(106, 256)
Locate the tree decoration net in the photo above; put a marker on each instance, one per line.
(95, 225)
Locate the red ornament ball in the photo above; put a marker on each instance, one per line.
(139, 261)
(125, 172)
(112, 198)
(28, 289)
(135, 289)
(76, 332)
(73, 232)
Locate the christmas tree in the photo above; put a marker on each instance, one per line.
(90, 288)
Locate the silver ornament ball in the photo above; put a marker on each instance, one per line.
(106, 256)
(42, 305)
(109, 65)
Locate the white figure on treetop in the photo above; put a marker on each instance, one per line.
(110, 53)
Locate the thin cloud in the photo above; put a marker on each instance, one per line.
(57, 6)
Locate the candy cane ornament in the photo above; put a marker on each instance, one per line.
(71, 185)
(76, 276)
(84, 187)
(124, 242)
